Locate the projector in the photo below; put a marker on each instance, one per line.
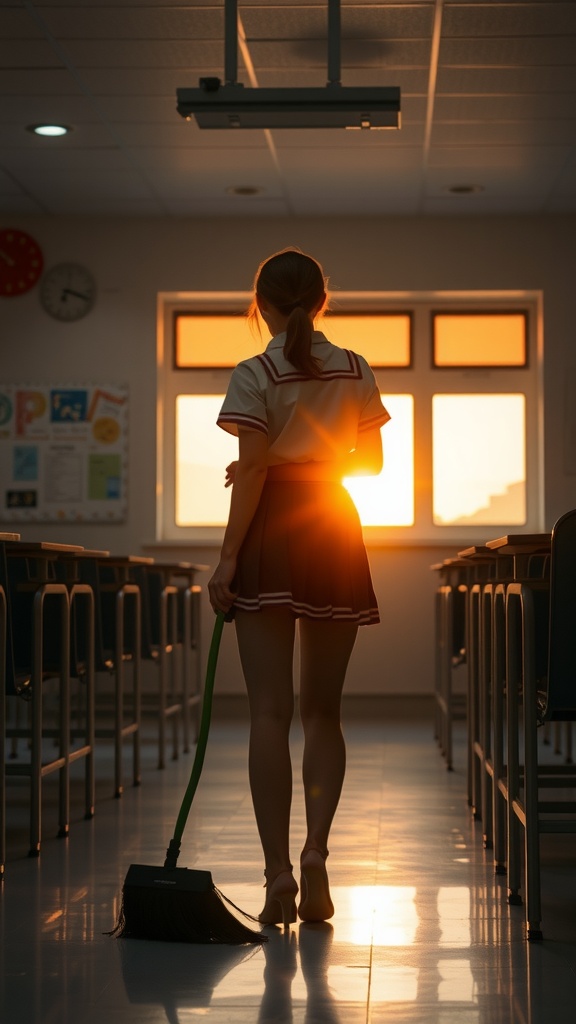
(214, 105)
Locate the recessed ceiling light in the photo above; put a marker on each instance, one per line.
(464, 190)
(245, 190)
(51, 130)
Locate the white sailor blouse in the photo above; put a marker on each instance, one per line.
(305, 419)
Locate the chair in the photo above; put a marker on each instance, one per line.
(540, 688)
(170, 639)
(117, 644)
(3, 618)
(450, 627)
(189, 636)
(159, 644)
(481, 573)
(82, 661)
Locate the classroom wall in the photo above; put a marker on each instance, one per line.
(133, 259)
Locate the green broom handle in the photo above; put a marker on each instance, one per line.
(174, 848)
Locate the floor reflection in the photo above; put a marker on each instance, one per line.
(315, 943)
(422, 934)
(176, 976)
(180, 978)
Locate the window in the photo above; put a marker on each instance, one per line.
(479, 459)
(460, 376)
(479, 339)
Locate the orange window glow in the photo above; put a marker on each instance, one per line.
(479, 339)
(384, 339)
(212, 340)
(222, 340)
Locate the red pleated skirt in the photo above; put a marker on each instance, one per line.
(304, 550)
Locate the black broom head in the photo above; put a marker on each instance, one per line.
(178, 905)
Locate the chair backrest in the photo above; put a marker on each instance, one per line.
(560, 702)
(88, 573)
(103, 578)
(12, 684)
(148, 635)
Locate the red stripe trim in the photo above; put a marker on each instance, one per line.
(290, 376)
(374, 421)
(242, 420)
(273, 600)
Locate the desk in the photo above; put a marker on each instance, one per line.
(510, 618)
(520, 550)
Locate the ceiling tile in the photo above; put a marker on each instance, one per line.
(508, 19)
(503, 110)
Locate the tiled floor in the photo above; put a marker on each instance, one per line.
(422, 931)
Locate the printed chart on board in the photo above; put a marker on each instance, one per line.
(63, 452)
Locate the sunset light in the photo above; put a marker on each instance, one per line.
(203, 451)
(479, 459)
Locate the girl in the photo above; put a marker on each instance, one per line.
(306, 414)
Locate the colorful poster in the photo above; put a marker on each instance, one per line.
(63, 452)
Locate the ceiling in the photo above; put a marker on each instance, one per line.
(488, 101)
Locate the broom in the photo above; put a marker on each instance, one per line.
(177, 904)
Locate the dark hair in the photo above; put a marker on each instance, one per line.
(295, 285)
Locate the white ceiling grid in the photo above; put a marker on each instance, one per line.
(488, 99)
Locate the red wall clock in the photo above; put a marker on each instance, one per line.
(21, 262)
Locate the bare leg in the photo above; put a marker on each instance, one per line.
(326, 647)
(266, 645)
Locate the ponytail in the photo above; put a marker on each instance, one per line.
(298, 344)
(294, 284)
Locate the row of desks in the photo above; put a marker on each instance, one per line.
(485, 622)
(68, 612)
(507, 559)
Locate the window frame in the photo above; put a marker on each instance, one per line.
(420, 379)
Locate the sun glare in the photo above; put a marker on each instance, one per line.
(388, 499)
(203, 451)
(381, 915)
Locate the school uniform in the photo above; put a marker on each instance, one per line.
(304, 548)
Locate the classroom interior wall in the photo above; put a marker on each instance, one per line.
(134, 259)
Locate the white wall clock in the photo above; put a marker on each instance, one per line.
(67, 291)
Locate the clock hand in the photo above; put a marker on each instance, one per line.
(77, 295)
(7, 258)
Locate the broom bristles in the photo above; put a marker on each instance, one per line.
(178, 915)
(176, 904)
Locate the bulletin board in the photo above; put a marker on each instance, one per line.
(63, 453)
